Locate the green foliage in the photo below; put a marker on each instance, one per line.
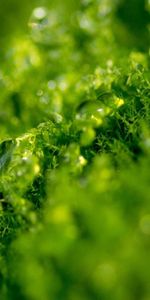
(75, 150)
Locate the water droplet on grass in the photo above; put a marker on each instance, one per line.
(100, 110)
(56, 118)
(39, 93)
(51, 85)
(39, 13)
(90, 113)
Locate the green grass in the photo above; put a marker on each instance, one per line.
(75, 151)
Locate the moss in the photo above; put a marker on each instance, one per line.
(75, 151)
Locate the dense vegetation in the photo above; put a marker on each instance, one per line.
(75, 150)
